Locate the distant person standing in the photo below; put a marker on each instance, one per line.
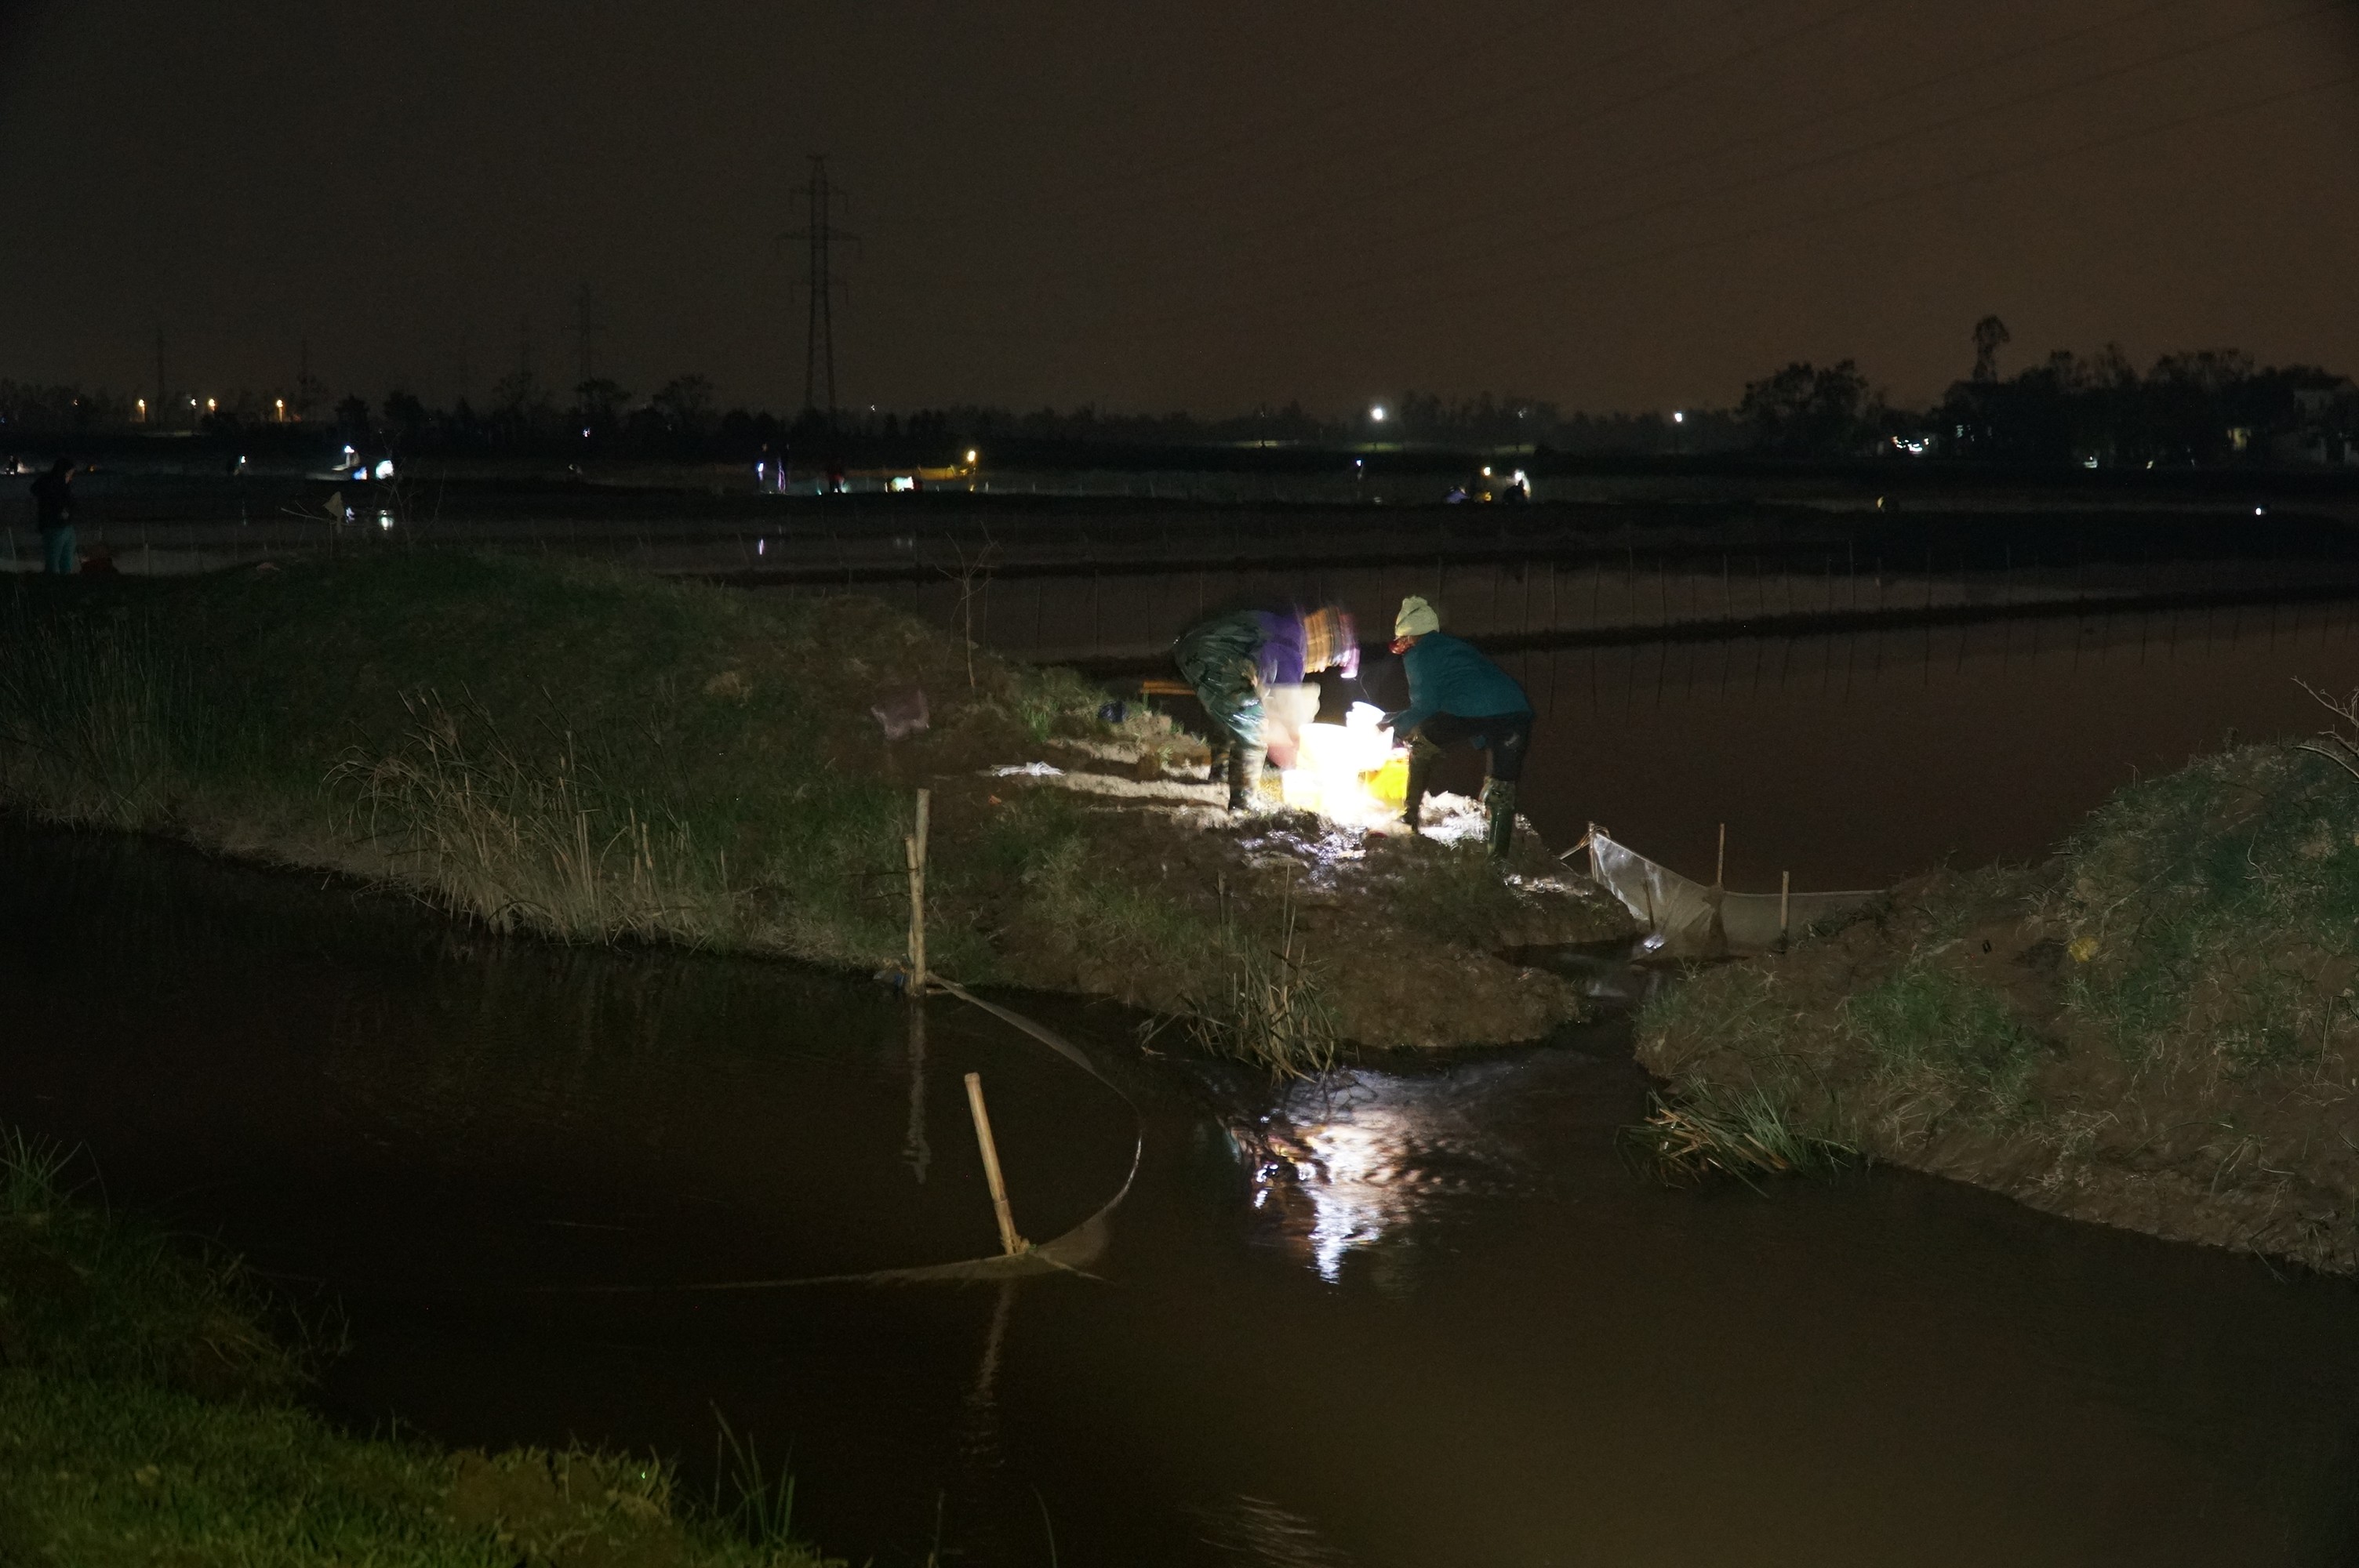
(53, 510)
(1455, 693)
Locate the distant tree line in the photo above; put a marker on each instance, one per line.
(2207, 408)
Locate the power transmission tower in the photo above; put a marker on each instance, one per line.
(820, 282)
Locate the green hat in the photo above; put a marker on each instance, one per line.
(1417, 618)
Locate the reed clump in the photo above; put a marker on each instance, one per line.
(1269, 1008)
(526, 841)
(1746, 1133)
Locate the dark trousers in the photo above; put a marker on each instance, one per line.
(1507, 737)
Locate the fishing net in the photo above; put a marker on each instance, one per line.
(1692, 917)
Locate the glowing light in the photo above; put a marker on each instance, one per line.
(1378, 413)
(1678, 415)
(211, 407)
(360, 473)
(385, 467)
(901, 481)
(971, 456)
(384, 519)
(1486, 473)
(1350, 773)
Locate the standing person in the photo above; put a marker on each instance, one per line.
(1234, 659)
(53, 510)
(1456, 694)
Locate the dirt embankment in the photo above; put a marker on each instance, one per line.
(586, 754)
(2153, 1030)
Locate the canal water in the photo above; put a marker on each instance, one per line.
(1419, 1314)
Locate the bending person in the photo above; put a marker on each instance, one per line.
(1455, 694)
(1235, 660)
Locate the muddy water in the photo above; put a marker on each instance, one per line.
(1414, 1317)
(1855, 760)
(1850, 758)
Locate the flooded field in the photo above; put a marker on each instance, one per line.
(1418, 1316)
(1850, 753)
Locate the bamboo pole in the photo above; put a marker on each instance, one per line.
(1720, 862)
(913, 849)
(1785, 891)
(1009, 1242)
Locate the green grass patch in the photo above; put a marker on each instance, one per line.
(2206, 911)
(1936, 1033)
(560, 748)
(148, 1414)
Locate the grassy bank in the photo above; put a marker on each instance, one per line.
(592, 755)
(149, 1412)
(2155, 1029)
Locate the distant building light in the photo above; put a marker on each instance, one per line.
(385, 467)
(1378, 413)
(971, 455)
(384, 519)
(1678, 415)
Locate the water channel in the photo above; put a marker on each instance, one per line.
(1419, 1314)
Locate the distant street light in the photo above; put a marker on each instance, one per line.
(1378, 413)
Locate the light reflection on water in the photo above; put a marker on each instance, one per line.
(1343, 1166)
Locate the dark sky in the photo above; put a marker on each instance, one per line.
(1148, 205)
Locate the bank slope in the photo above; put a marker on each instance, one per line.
(2156, 1029)
(594, 755)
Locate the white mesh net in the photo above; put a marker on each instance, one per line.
(1692, 917)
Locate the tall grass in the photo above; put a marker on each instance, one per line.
(1268, 1007)
(102, 723)
(532, 842)
(1748, 1133)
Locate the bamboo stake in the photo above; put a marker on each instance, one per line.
(1785, 890)
(1720, 862)
(913, 849)
(1009, 1242)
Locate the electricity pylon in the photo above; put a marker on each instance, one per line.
(820, 282)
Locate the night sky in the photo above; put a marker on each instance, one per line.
(1150, 206)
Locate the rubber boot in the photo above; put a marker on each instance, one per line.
(1499, 801)
(1244, 777)
(1420, 774)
